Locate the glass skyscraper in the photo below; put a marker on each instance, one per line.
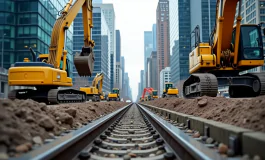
(27, 24)
(101, 36)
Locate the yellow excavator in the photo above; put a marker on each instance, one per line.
(231, 50)
(94, 92)
(50, 71)
(114, 95)
(170, 91)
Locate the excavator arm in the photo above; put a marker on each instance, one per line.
(149, 90)
(99, 77)
(85, 61)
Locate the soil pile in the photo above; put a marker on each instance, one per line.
(25, 123)
(243, 112)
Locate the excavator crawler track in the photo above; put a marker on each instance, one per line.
(202, 84)
(52, 96)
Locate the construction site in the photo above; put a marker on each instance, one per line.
(44, 116)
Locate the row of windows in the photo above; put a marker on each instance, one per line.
(252, 15)
(7, 6)
(251, 8)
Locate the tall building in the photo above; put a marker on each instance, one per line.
(122, 73)
(152, 70)
(164, 77)
(27, 24)
(142, 80)
(162, 39)
(148, 47)
(109, 13)
(101, 36)
(118, 74)
(184, 17)
(154, 36)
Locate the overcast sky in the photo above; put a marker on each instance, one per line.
(133, 17)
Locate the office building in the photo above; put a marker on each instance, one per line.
(118, 76)
(164, 77)
(109, 13)
(154, 36)
(27, 24)
(162, 39)
(152, 71)
(101, 36)
(184, 17)
(118, 46)
(148, 48)
(142, 80)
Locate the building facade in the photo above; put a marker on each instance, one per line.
(183, 20)
(142, 79)
(118, 74)
(162, 33)
(101, 36)
(27, 24)
(148, 47)
(165, 76)
(154, 36)
(109, 13)
(152, 71)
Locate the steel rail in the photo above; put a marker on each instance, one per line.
(69, 145)
(182, 144)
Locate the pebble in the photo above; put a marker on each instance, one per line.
(152, 155)
(196, 135)
(126, 157)
(37, 140)
(159, 152)
(245, 157)
(132, 155)
(222, 148)
(3, 156)
(181, 125)
(51, 135)
(112, 155)
(209, 140)
(204, 138)
(23, 147)
(189, 131)
(256, 157)
(203, 102)
(230, 153)
(30, 119)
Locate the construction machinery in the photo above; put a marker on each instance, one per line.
(114, 95)
(169, 90)
(102, 96)
(152, 93)
(50, 71)
(231, 51)
(94, 92)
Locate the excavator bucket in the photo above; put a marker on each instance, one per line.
(84, 62)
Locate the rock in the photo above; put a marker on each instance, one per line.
(112, 155)
(43, 106)
(159, 152)
(256, 157)
(203, 102)
(3, 156)
(209, 140)
(230, 153)
(152, 155)
(37, 140)
(222, 148)
(189, 131)
(181, 125)
(30, 119)
(204, 138)
(46, 123)
(126, 157)
(245, 157)
(91, 108)
(132, 155)
(65, 118)
(196, 135)
(23, 147)
(71, 112)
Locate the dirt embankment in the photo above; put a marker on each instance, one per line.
(244, 112)
(24, 123)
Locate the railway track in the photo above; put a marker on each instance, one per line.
(132, 132)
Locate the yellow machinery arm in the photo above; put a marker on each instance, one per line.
(57, 47)
(224, 28)
(99, 77)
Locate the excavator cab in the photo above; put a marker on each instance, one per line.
(169, 90)
(154, 94)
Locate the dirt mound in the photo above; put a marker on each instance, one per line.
(24, 123)
(243, 112)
